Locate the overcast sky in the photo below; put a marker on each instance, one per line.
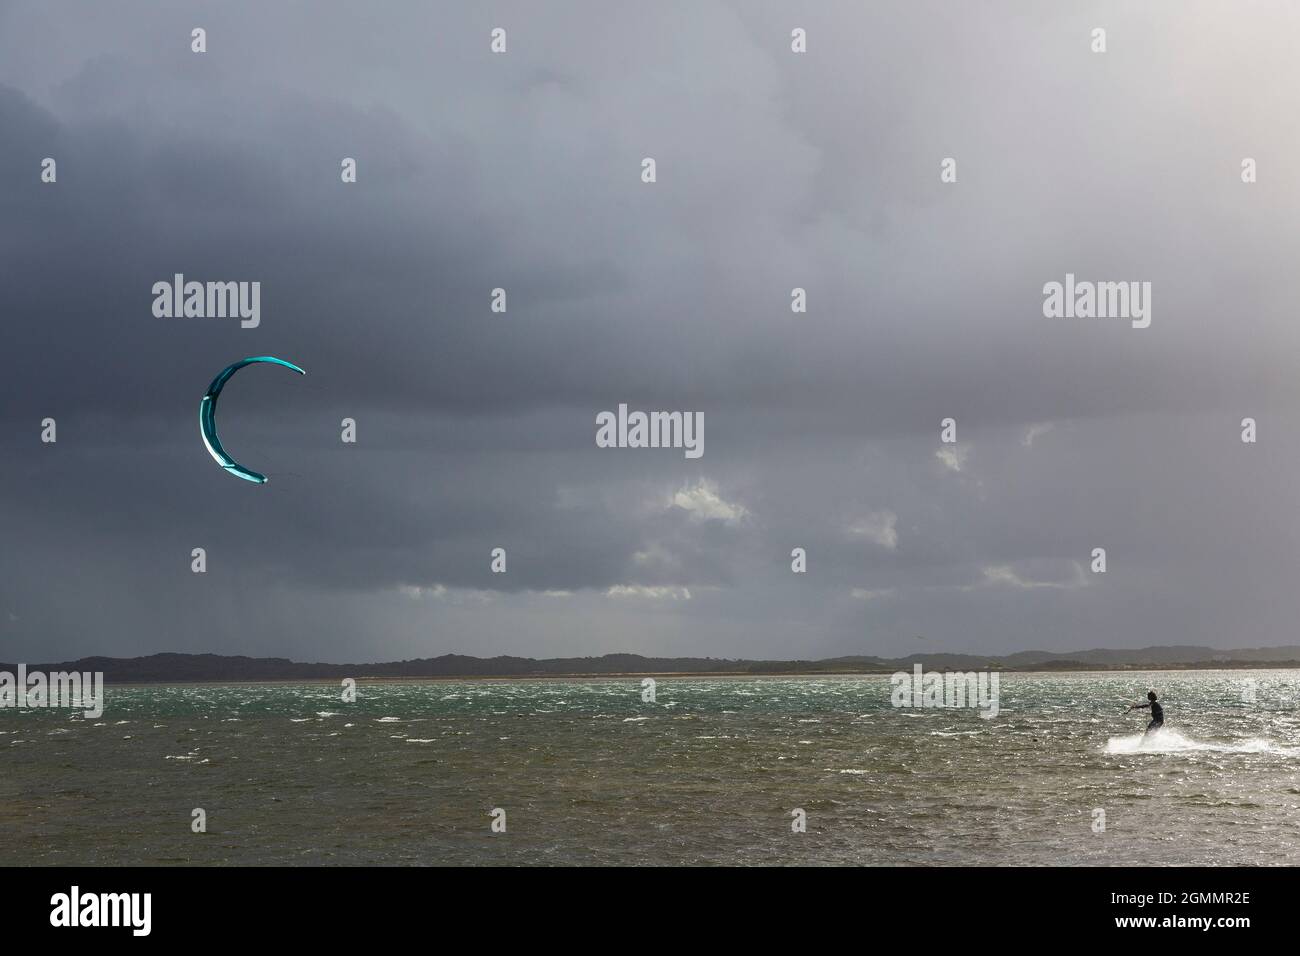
(476, 430)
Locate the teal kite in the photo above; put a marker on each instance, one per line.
(208, 416)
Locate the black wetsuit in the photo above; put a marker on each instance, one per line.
(1157, 716)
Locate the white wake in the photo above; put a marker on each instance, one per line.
(1172, 742)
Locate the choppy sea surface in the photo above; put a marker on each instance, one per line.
(711, 772)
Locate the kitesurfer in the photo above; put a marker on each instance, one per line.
(1157, 712)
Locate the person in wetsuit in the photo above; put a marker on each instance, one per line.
(1157, 712)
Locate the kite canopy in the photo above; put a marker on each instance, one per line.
(208, 416)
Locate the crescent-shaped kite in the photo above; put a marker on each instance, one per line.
(208, 416)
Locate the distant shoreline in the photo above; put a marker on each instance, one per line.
(663, 675)
(172, 668)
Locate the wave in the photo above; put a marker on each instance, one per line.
(1172, 742)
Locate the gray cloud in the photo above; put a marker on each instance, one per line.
(476, 430)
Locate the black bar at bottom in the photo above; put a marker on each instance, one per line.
(247, 905)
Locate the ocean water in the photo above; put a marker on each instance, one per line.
(708, 774)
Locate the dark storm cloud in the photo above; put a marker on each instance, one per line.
(476, 429)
